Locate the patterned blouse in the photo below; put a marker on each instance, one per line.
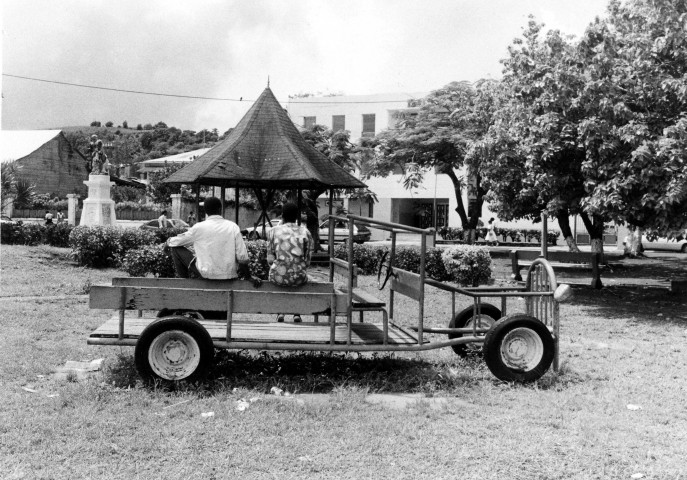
(290, 245)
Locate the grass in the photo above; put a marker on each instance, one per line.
(619, 347)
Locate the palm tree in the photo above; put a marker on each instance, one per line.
(15, 190)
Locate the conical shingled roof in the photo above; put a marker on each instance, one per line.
(265, 150)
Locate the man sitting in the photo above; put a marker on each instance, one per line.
(289, 252)
(212, 249)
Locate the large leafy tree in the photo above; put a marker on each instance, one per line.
(635, 132)
(597, 127)
(446, 135)
(536, 162)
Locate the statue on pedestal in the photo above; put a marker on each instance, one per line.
(99, 162)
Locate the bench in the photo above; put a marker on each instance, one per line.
(560, 260)
(362, 300)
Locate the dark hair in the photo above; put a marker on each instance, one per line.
(491, 219)
(212, 206)
(289, 212)
(164, 212)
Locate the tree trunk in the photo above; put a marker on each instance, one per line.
(636, 247)
(458, 191)
(595, 228)
(469, 223)
(563, 217)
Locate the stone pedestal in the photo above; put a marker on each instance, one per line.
(176, 206)
(98, 208)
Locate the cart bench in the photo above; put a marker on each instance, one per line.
(561, 261)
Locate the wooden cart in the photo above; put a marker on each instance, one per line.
(175, 324)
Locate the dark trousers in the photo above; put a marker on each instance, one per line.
(184, 262)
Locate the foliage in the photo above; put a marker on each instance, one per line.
(365, 256)
(515, 234)
(125, 193)
(596, 126)
(468, 265)
(14, 189)
(132, 238)
(162, 234)
(20, 233)
(160, 192)
(44, 201)
(257, 252)
(149, 259)
(96, 246)
(446, 135)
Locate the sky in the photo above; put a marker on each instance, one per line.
(223, 49)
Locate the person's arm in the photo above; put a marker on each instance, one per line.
(183, 239)
(307, 254)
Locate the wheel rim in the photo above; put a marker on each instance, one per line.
(174, 355)
(522, 349)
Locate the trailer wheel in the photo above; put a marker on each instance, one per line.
(174, 348)
(489, 314)
(518, 348)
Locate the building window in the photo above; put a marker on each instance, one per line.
(338, 122)
(308, 122)
(369, 125)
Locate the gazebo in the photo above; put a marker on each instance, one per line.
(265, 152)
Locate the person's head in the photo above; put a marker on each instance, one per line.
(289, 212)
(164, 212)
(47, 211)
(94, 138)
(213, 206)
(491, 220)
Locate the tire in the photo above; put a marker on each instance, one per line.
(519, 348)
(489, 314)
(174, 348)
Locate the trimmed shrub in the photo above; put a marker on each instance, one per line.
(134, 238)
(96, 246)
(162, 234)
(366, 257)
(57, 235)
(468, 265)
(20, 233)
(148, 259)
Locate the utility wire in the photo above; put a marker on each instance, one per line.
(182, 96)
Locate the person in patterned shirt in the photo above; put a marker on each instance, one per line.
(289, 252)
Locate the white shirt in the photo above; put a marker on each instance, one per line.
(218, 246)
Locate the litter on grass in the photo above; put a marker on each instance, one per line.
(207, 414)
(241, 405)
(634, 407)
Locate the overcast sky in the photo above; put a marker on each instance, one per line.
(227, 49)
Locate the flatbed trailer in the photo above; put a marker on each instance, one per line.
(175, 324)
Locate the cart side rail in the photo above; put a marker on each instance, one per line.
(235, 301)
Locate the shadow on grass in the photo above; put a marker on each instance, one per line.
(315, 372)
(643, 304)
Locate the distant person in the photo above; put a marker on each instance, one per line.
(59, 217)
(191, 220)
(491, 233)
(289, 251)
(48, 217)
(162, 221)
(212, 249)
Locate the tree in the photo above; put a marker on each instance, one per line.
(338, 148)
(14, 189)
(598, 127)
(445, 135)
(95, 123)
(160, 192)
(125, 124)
(109, 124)
(536, 159)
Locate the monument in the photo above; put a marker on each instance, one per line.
(98, 208)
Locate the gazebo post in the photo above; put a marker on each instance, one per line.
(222, 192)
(299, 200)
(198, 202)
(236, 205)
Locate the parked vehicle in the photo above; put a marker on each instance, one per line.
(361, 233)
(255, 232)
(678, 244)
(154, 225)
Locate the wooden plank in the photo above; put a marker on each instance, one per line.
(204, 284)
(363, 299)
(406, 283)
(306, 332)
(145, 298)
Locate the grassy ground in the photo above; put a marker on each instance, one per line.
(621, 347)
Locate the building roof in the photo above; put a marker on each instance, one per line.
(17, 144)
(185, 157)
(265, 150)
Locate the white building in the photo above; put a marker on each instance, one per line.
(155, 165)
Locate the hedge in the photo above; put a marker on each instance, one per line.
(515, 234)
(19, 233)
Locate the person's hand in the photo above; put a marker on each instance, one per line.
(244, 270)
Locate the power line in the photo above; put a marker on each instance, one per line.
(195, 97)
